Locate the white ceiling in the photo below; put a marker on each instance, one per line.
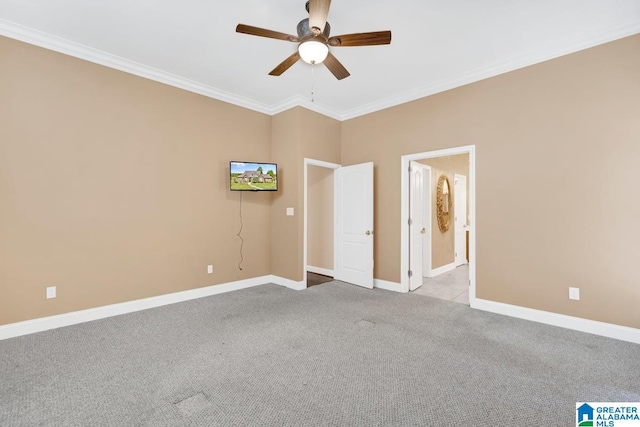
(436, 44)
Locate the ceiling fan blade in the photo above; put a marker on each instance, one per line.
(362, 39)
(285, 65)
(318, 12)
(336, 68)
(261, 32)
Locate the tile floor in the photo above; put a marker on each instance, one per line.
(452, 286)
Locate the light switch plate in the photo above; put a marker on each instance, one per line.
(574, 294)
(51, 292)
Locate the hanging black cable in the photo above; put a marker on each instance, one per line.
(239, 234)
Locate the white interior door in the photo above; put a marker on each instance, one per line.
(354, 224)
(426, 221)
(460, 218)
(416, 228)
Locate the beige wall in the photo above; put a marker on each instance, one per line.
(296, 134)
(114, 188)
(557, 149)
(286, 259)
(443, 244)
(320, 217)
(320, 141)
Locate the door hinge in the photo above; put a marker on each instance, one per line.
(410, 222)
(410, 273)
(409, 169)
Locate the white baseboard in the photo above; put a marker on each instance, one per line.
(67, 319)
(288, 283)
(609, 330)
(388, 286)
(441, 270)
(320, 270)
(623, 333)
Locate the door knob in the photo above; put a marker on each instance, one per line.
(424, 230)
(367, 233)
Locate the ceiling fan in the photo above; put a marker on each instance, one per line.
(314, 40)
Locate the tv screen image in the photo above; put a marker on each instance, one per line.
(250, 176)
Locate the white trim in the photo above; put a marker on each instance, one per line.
(305, 232)
(38, 38)
(404, 211)
(387, 286)
(320, 270)
(441, 270)
(86, 53)
(77, 50)
(609, 330)
(301, 101)
(535, 56)
(288, 283)
(67, 319)
(321, 163)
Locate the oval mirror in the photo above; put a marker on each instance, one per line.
(443, 203)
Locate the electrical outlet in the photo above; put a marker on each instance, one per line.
(574, 293)
(51, 292)
(209, 269)
(289, 211)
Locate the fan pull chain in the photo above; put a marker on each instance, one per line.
(313, 64)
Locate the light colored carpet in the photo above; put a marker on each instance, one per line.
(333, 355)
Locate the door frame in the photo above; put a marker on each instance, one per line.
(404, 212)
(312, 162)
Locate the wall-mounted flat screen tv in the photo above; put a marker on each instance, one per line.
(250, 176)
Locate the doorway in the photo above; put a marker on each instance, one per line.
(352, 220)
(443, 271)
(319, 220)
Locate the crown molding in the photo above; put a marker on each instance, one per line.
(77, 50)
(301, 101)
(80, 51)
(320, 108)
(531, 57)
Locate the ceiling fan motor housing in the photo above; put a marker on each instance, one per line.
(304, 31)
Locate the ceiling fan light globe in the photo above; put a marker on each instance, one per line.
(313, 52)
